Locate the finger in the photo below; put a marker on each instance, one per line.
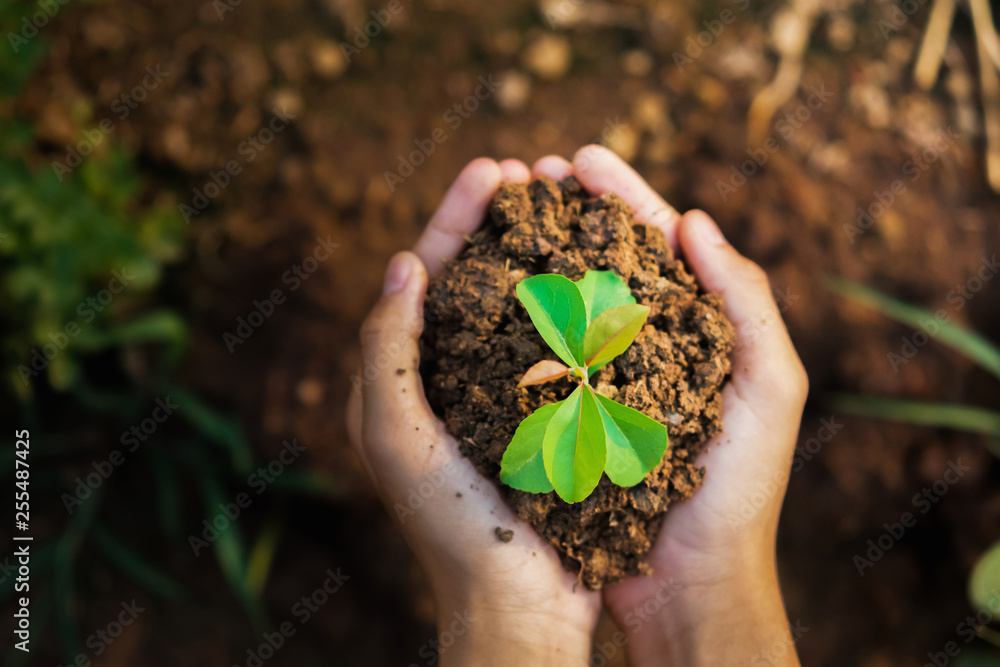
(402, 444)
(395, 416)
(766, 367)
(552, 166)
(600, 171)
(460, 213)
(514, 171)
(354, 435)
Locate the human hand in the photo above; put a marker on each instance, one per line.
(714, 598)
(512, 602)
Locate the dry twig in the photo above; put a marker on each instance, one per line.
(989, 82)
(933, 46)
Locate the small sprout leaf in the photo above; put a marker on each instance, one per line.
(602, 290)
(568, 446)
(574, 448)
(521, 466)
(635, 443)
(611, 333)
(556, 308)
(543, 371)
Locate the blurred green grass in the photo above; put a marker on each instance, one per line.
(63, 238)
(984, 582)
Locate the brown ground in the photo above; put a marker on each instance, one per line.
(684, 130)
(479, 341)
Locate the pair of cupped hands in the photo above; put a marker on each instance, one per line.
(713, 597)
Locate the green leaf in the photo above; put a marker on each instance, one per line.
(574, 449)
(602, 290)
(262, 554)
(611, 333)
(635, 443)
(972, 657)
(985, 580)
(963, 340)
(556, 308)
(522, 466)
(228, 546)
(135, 566)
(221, 430)
(161, 327)
(940, 415)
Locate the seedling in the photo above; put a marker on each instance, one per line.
(567, 446)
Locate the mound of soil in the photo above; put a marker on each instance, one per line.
(478, 341)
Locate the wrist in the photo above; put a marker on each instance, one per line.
(680, 620)
(477, 636)
(478, 628)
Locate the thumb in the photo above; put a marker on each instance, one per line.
(765, 364)
(763, 402)
(395, 414)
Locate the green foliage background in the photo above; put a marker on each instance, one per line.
(60, 241)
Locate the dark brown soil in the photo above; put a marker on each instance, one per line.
(479, 341)
(684, 130)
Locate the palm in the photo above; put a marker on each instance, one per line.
(452, 530)
(448, 513)
(714, 524)
(456, 524)
(740, 499)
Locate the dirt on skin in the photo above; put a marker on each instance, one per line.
(478, 341)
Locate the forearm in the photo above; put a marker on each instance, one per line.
(741, 621)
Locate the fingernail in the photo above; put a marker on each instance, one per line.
(397, 274)
(708, 230)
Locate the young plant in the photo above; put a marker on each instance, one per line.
(567, 446)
